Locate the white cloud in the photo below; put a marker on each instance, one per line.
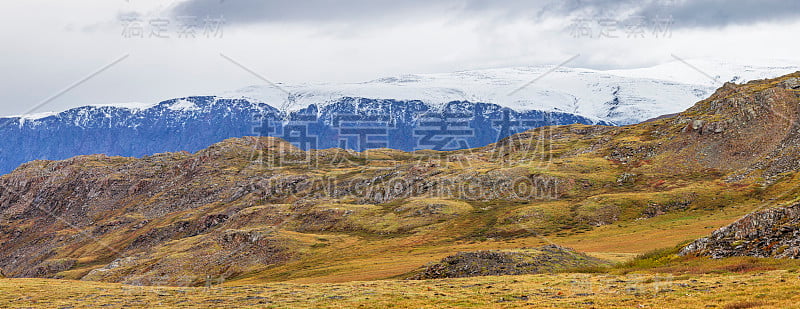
(63, 42)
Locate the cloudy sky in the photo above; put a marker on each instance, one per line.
(62, 54)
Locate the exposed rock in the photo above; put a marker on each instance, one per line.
(791, 83)
(655, 209)
(546, 259)
(771, 233)
(697, 124)
(49, 268)
(626, 178)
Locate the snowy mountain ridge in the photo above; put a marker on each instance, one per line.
(449, 111)
(618, 96)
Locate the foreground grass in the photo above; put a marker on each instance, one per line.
(730, 290)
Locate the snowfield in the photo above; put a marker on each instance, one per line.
(618, 96)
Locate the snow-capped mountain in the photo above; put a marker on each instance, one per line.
(194, 123)
(410, 112)
(618, 96)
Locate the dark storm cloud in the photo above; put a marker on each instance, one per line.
(685, 13)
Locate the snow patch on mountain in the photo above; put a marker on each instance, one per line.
(133, 106)
(712, 72)
(33, 116)
(183, 105)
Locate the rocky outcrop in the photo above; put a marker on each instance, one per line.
(546, 259)
(749, 129)
(773, 233)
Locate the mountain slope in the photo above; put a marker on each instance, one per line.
(410, 112)
(261, 209)
(191, 124)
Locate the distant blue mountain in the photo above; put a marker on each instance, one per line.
(194, 123)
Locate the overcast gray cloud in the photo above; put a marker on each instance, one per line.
(313, 11)
(54, 44)
(685, 13)
(718, 13)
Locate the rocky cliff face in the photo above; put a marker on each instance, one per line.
(773, 233)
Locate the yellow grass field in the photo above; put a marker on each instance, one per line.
(771, 289)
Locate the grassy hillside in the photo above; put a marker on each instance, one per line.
(252, 211)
